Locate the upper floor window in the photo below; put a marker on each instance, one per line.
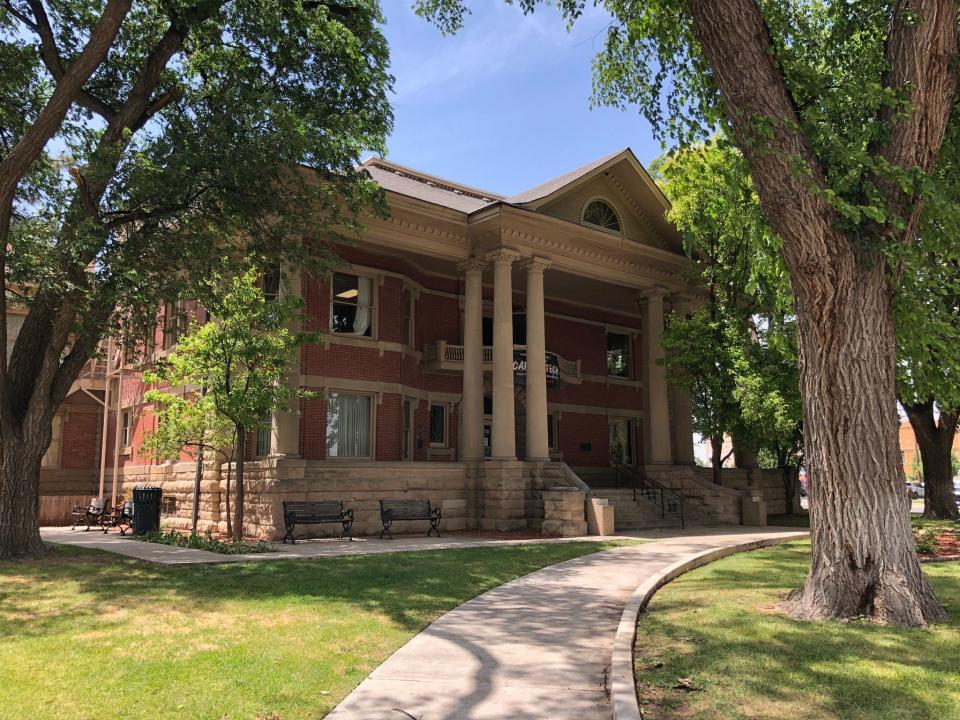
(352, 311)
(270, 282)
(126, 429)
(176, 322)
(618, 354)
(601, 214)
(406, 319)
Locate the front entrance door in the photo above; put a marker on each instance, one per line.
(621, 441)
(406, 432)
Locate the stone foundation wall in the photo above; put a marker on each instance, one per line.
(563, 512)
(497, 496)
(360, 486)
(268, 482)
(704, 502)
(769, 482)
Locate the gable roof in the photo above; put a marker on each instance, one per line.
(550, 187)
(623, 164)
(429, 188)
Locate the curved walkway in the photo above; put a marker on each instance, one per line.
(537, 647)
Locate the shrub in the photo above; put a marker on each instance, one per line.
(206, 542)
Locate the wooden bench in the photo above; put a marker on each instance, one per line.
(314, 513)
(393, 510)
(95, 513)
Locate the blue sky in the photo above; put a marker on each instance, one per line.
(505, 104)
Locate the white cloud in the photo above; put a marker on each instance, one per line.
(497, 40)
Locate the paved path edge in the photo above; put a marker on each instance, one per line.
(623, 688)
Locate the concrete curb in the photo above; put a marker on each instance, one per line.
(623, 692)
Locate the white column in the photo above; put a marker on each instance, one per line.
(504, 424)
(657, 410)
(473, 360)
(538, 448)
(682, 413)
(285, 428)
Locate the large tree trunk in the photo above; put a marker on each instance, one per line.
(864, 561)
(241, 459)
(935, 442)
(20, 496)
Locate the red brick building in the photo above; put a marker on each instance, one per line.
(479, 350)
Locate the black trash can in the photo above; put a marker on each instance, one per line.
(146, 509)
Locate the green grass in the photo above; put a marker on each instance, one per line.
(720, 628)
(89, 635)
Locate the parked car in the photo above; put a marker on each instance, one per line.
(915, 490)
(956, 491)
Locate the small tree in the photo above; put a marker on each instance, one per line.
(242, 357)
(186, 421)
(767, 387)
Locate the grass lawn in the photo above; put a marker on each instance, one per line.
(90, 635)
(717, 627)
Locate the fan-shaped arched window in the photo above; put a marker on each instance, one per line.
(599, 213)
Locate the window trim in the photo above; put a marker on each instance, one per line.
(374, 303)
(371, 422)
(408, 313)
(553, 424)
(126, 429)
(446, 424)
(613, 208)
(264, 432)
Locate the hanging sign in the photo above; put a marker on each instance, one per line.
(520, 368)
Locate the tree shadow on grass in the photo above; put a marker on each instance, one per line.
(409, 588)
(716, 627)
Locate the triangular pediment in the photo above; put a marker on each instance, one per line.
(618, 180)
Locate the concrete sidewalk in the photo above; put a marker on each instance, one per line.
(537, 647)
(304, 549)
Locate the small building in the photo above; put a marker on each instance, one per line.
(480, 350)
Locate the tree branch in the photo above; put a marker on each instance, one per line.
(54, 63)
(921, 51)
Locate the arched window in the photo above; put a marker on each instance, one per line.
(599, 213)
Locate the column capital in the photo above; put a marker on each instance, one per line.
(472, 266)
(654, 293)
(503, 256)
(535, 264)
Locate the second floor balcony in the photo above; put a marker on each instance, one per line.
(447, 356)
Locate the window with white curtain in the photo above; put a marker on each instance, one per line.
(14, 325)
(348, 425)
(352, 305)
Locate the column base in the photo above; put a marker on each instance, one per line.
(502, 496)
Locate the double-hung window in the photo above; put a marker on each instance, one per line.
(126, 429)
(618, 354)
(438, 425)
(406, 319)
(352, 305)
(176, 322)
(349, 424)
(264, 433)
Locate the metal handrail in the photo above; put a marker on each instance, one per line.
(670, 501)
